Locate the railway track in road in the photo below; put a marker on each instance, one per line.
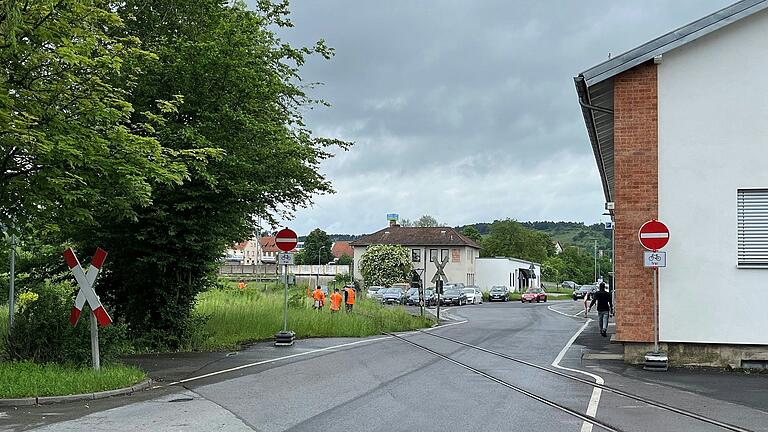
(587, 418)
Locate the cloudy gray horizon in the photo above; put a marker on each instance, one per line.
(463, 110)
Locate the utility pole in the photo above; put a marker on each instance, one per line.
(318, 265)
(595, 260)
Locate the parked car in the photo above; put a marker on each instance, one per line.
(533, 294)
(569, 285)
(430, 297)
(454, 296)
(498, 292)
(392, 296)
(583, 291)
(474, 295)
(373, 292)
(402, 285)
(412, 297)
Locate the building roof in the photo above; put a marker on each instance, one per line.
(594, 86)
(268, 244)
(241, 246)
(416, 236)
(341, 248)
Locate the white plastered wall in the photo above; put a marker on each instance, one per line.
(713, 140)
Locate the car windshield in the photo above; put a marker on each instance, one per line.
(534, 290)
(393, 291)
(469, 290)
(497, 289)
(413, 291)
(452, 292)
(428, 293)
(374, 288)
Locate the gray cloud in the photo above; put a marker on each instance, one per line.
(464, 109)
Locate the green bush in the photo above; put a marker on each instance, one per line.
(41, 331)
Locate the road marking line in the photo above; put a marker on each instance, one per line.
(594, 400)
(245, 366)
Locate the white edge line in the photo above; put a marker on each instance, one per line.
(245, 366)
(565, 314)
(594, 400)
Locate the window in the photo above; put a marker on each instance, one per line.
(455, 255)
(752, 217)
(432, 255)
(416, 255)
(443, 254)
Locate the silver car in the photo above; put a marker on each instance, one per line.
(375, 292)
(474, 295)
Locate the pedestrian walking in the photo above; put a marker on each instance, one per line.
(349, 297)
(604, 308)
(336, 300)
(319, 297)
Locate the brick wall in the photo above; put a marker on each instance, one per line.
(635, 119)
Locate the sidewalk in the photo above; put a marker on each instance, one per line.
(600, 355)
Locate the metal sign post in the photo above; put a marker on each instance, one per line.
(12, 283)
(285, 240)
(439, 279)
(654, 235)
(86, 281)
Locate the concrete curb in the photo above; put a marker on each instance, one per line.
(47, 400)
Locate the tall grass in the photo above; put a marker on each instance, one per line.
(240, 316)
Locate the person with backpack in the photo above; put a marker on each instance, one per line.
(319, 297)
(604, 308)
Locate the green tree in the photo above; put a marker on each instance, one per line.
(424, 221)
(239, 90)
(344, 260)
(509, 238)
(317, 245)
(70, 139)
(385, 265)
(472, 233)
(552, 268)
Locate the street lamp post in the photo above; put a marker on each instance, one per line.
(318, 264)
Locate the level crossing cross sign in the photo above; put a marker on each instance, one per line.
(440, 273)
(86, 281)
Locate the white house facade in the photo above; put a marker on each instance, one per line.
(425, 246)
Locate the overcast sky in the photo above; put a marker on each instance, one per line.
(464, 109)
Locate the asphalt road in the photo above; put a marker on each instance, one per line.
(385, 384)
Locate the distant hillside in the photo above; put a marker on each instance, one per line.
(567, 233)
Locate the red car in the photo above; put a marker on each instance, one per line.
(533, 294)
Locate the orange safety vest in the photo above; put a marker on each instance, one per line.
(350, 295)
(241, 285)
(319, 295)
(336, 301)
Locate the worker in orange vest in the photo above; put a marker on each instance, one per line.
(349, 297)
(242, 285)
(335, 300)
(319, 297)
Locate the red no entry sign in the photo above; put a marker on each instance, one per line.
(286, 240)
(654, 235)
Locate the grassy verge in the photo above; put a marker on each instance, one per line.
(27, 379)
(241, 316)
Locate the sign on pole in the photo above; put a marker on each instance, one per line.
(654, 235)
(86, 281)
(655, 259)
(286, 240)
(285, 258)
(440, 273)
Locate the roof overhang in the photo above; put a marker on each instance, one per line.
(594, 86)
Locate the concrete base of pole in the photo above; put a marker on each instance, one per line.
(656, 362)
(285, 338)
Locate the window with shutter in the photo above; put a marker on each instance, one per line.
(753, 227)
